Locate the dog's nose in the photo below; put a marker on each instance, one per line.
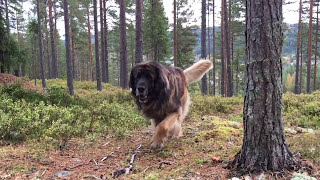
(141, 89)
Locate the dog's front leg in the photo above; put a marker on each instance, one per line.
(162, 130)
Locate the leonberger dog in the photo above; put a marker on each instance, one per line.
(162, 96)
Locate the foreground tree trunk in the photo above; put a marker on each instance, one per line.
(204, 87)
(296, 88)
(139, 32)
(96, 45)
(106, 41)
(316, 53)
(175, 43)
(264, 146)
(43, 78)
(54, 60)
(222, 53)
(103, 55)
(213, 52)
(90, 44)
(309, 49)
(123, 46)
(229, 92)
(68, 47)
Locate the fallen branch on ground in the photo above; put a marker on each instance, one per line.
(128, 169)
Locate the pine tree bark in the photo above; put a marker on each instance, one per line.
(96, 45)
(316, 53)
(204, 86)
(223, 66)
(209, 46)
(175, 43)
(227, 47)
(123, 47)
(309, 49)
(264, 145)
(68, 48)
(43, 78)
(103, 55)
(54, 60)
(296, 88)
(301, 61)
(213, 52)
(139, 31)
(90, 44)
(106, 41)
(47, 43)
(75, 60)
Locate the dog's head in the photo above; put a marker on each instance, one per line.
(148, 81)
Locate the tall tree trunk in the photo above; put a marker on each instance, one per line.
(54, 61)
(43, 78)
(96, 45)
(106, 41)
(309, 49)
(223, 66)
(68, 48)
(301, 60)
(237, 73)
(264, 146)
(139, 31)
(204, 86)
(227, 43)
(175, 43)
(47, 41)
(316, 53)
(209, 46)
(90, 43)
(103, 55)
(296, 87)
(7, 16)
(56, 38)
(213, 52)
(123, 46)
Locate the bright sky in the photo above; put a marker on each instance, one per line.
(290, 12)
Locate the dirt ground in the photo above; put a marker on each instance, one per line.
(9, 78)
(203, 152)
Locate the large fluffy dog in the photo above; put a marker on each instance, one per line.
(161, 94)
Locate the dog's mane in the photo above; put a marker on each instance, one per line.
(169, 87)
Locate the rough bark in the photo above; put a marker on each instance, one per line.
(316, 53)
(90, 44)
(56, 37)
(209, 43)
(175, 43)
(68, 47)
(296, 88)
(227, 47)
(96, 45)
(43, 78)
(139, 31)
(309, 49)
(47, 43)
(223, 66)
(54, 60)
(301, 61)
(213, 52)
(103, 55)
(106, 41)
(204, 86)
(123, 47)
(264, 145)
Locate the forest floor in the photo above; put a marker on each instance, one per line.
(208, 144)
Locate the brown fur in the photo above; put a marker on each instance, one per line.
(168, 98)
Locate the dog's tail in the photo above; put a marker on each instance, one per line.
(196, 71)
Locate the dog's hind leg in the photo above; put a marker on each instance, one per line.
(162, 130)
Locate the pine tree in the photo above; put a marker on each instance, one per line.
(309, 49)
(139, 31)
(96, 45)
(43, 78)
(68, 47)
(123, 46)
(156, 38)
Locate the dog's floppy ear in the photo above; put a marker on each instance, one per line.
(162, 81)
(132, 79)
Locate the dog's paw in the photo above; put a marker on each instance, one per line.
(156, 146)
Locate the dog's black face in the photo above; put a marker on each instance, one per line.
(147, 81)
(144, 86)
